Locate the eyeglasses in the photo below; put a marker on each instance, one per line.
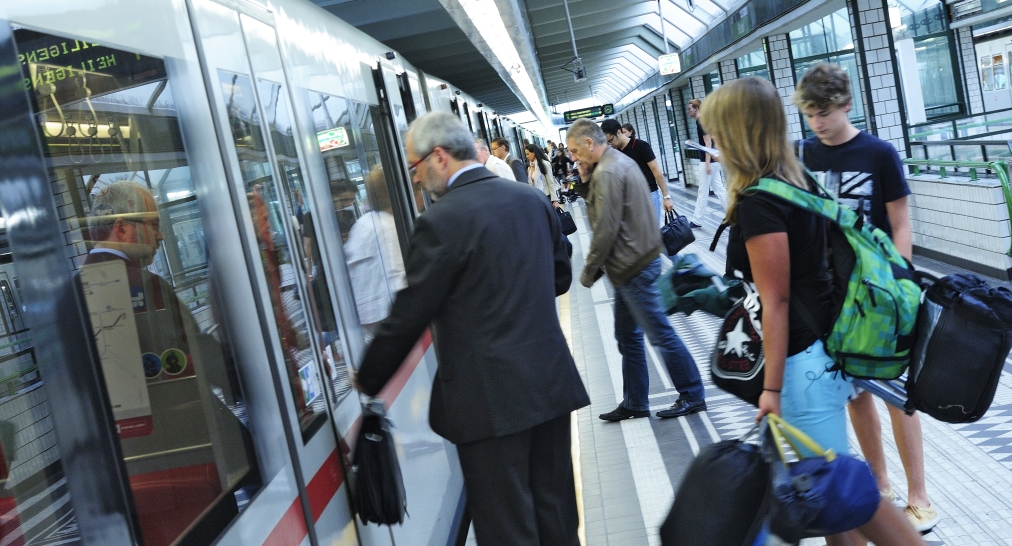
(153, 224)
(413, 169)
(610, 139)
(494, 148)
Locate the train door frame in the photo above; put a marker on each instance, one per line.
(310, 455)
(104, 508)
(407, 98)
(399, 183)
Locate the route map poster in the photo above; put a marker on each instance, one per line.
(107, 293)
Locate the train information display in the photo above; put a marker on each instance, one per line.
(592, 112)
(67, 70)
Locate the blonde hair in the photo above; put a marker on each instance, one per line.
(746, 116)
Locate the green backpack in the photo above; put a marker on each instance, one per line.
(875, 296)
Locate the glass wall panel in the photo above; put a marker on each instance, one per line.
(753, 64)
(927, 26)
(134, 233)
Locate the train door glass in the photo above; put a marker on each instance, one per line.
(399, 122)
(986, 73)
(31, 477)
(362, 202)
(998, 64)
(281, 254)
(134, 234)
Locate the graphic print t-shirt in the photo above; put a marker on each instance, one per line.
(866, 169)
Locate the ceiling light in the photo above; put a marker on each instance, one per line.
(489, 24)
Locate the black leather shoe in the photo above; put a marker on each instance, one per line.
(621, 413)
(694, 225)
(683, 406)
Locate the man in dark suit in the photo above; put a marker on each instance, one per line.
(486, 262)
(501, 149)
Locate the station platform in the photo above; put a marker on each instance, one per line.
(628, 471)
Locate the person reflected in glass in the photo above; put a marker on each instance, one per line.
(375, 263)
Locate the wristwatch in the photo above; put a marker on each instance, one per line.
(667, 197)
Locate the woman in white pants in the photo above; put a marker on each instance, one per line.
(709, 173)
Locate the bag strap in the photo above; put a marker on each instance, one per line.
(782, 430)
(716, 236)
(819, 206)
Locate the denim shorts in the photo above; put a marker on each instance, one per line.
(815, 400)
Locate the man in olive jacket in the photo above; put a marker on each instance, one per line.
(627, 246)
(486, 276)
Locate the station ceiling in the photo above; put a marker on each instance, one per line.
(618, 41)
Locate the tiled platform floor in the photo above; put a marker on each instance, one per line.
(629, 470)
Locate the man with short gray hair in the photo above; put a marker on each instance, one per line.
(491, 162)
(626, 245)
(486, 276)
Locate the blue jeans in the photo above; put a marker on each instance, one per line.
(815, 400)
(638, 310)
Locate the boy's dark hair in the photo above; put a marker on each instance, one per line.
(822, 86)
(610, 126)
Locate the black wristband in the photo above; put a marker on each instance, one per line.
(772, 390)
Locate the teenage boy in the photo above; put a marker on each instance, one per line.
(866, 172)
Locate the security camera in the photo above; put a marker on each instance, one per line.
(457, 92)
(391, 55)
(480, 105)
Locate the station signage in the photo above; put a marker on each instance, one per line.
(592, 112)
(670, 64)
(334, 138)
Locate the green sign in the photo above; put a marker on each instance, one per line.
(592, 112)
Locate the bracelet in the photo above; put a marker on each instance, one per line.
(667, 197)
(772, 390)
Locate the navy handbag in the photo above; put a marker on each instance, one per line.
(676, 233)
(568, 224)
(820, 494)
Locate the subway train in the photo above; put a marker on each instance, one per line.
(205, 210)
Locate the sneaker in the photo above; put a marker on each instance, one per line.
(683, 406)
(922, 518)
(620, 413)
(694, 225)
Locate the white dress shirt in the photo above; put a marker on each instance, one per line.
(499, 167)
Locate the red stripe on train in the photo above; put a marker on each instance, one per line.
(328, 479)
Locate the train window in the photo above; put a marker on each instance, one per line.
(986, 73)
(999, 71)
(361, 196)
(134, 234)
(281, 260)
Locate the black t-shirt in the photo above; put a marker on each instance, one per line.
(865, 167)
(700, 132)
(702, 141)
(762, 213)
(641, 153)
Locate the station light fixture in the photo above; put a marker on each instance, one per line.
(489, 24)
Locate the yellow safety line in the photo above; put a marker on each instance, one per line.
(565, 320)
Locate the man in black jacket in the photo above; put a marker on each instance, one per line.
(486, 277)
(501, 149)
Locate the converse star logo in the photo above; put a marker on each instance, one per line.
(736, 338)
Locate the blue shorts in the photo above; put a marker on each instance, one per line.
(815, 400)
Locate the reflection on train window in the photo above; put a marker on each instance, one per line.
(362, 203)
(986, 73)
(276, 223)
(276, 112)
(135, 235)
(999, 72)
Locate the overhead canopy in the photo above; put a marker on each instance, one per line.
(618, 41)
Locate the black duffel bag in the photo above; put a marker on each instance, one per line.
(676, 233)
(964, 333)
(722, 498)
(379, 486)
(566, 219)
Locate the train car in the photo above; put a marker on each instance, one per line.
(205, 209)
(993, 71)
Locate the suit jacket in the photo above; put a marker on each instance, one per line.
(485, 264)
(519, 169)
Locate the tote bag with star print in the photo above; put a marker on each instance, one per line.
(738, 361)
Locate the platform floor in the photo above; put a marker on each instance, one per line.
(628, 470)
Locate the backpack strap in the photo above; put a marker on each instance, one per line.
(819, 206)
(716, 236)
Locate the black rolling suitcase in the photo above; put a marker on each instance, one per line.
(964, 333)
